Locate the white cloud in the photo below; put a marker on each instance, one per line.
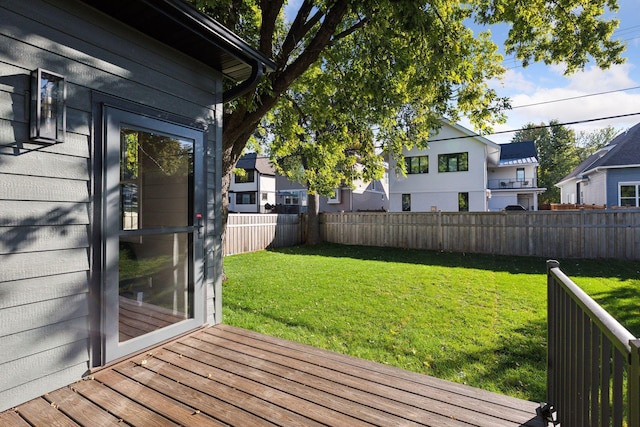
(514, 81)
(535, 106)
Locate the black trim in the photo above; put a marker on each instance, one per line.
(182, 27)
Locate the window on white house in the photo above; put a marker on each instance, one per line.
(456, 162)
(629, 194)
(463, 202)
(520, 174)
(245, 198)
(248, 176)
(265, 196)
(406, 202)
(417, 164)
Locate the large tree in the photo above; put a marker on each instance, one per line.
(437, 65)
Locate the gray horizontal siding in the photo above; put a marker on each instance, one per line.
(42, 339)
(46, 197)
(25, 370)
(14, 138)
(28, 213)
(42, 238)
(29, 265)
(51, 380)
(42, 189)
(32, 290)
(42, 314)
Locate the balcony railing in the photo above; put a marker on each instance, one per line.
(508, 184)
(593, 362)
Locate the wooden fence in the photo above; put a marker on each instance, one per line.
(551, 234)
(253, 232)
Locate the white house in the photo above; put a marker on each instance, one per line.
(362, 196)
(461, 171)
(610, 177)
(253, 191)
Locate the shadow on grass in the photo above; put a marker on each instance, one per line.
(618, 269)
(516, 365)
(624, 301)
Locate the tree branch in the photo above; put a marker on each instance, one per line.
(283, 79)
(270, 11)
(350, 30)
(299, 28)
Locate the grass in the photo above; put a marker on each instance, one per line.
(473, 319)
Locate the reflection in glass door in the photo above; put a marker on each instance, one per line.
(153, 239)
(156, 187)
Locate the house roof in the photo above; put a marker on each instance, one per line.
(177, 24)
(252, 161)
(623, 150)
(518, 153)
(492, 148)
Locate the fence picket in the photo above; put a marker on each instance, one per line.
(552, 234)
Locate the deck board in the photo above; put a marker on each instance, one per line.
(229, 376)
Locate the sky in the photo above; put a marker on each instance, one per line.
(546, 86)
(539, 92)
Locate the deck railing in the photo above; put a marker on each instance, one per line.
(509, 184)
(593, 376)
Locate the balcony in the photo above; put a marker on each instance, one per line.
(510, 184)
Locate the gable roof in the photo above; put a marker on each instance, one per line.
(518, 153)
(622, 151)
(493, 148)
(179, 25)
(251, 161)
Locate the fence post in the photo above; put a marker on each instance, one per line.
(633, 385)
(440, 232)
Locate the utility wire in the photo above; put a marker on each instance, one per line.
(575, 97)
(536, 127)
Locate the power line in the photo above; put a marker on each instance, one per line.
(575, 97)
(536, 127)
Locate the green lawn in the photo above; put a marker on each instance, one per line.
(474, 319)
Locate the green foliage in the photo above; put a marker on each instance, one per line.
(351, 74)
(474, 319)
(558, 155)
(563, 31)
(590, 142)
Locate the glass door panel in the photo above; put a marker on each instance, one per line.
(153, 248)
(156, 190)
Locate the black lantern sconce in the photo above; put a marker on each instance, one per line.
(48, 110)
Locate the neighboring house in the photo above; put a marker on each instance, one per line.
(110, 204)
(513, 181)
(610, 177)
(364, 196)
(254, 191)
(461, 171)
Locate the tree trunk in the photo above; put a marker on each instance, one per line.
(313, 220)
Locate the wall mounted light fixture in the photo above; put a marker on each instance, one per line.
(47, 117)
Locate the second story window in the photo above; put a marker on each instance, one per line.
(248, 176)
(520, 174)
(417, 164)
(456, 162)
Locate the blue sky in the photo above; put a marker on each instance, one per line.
(545, 85)
(539, 84)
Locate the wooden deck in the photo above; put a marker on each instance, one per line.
(228, 376)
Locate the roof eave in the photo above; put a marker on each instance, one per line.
(226, 52)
